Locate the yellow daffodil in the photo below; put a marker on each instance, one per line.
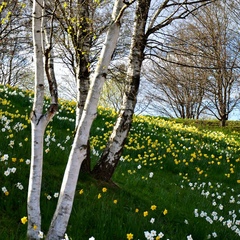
(104, 189)
(145, 213)
(153, 207)
(24, 220)
(165, 211)
(129, 236)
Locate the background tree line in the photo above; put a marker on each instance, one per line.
(193, 68)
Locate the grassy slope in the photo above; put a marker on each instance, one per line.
(178, 167)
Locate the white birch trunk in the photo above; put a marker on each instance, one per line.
(78, 152)
(39, 120)
(136, 58)
(107, 164)
(37, 124)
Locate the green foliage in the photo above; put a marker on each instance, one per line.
(177, 178)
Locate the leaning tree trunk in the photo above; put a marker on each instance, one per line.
(39, 122)
(78, 152)
(108, 161)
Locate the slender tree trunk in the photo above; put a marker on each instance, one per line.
(108, 161)
(83, 76)
(83, 81)
(78, 152)
(39, 120)
(38, 125)
(82, 42)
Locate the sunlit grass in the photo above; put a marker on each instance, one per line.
(174, 180)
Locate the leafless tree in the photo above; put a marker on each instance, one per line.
(15, 43)
(176, 91)
(208, 46)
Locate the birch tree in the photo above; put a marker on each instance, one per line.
(107, 163)
(79, 148)
(79, 24)
(39, 119)
(173, 10)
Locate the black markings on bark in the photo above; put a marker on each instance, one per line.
(40, 119)
(32, 114)
(104, 75)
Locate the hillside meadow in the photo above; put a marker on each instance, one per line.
(176, 179)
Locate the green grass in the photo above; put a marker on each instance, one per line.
(189, 170)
